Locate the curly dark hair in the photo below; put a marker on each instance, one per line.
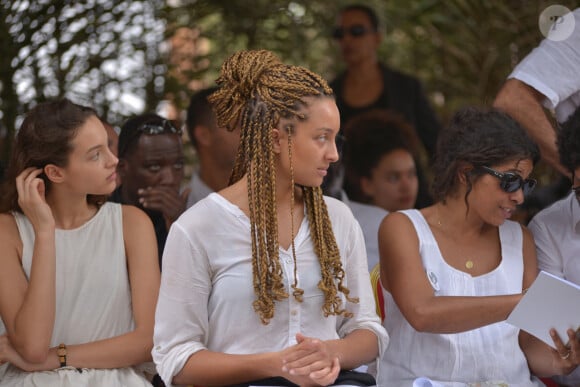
(569, 142)
(476, 138)
(370, 136)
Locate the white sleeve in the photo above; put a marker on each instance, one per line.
(181, 317)
(548, 255)
(552, 67)
(359, 284)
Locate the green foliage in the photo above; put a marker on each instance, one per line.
(96, 51)
(100, 53)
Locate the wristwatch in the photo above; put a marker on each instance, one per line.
(61, 352)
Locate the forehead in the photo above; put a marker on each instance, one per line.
(322, 111)
(352, 17)
(158, 144)
(89, 134)
(522, 167)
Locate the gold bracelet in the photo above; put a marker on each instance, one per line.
(61, 352)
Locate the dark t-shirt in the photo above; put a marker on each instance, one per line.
(404, 95)
(155, 216)
(401, 93)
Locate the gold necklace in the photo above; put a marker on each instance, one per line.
(469, 263)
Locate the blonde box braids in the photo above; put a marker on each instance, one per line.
(256, 90)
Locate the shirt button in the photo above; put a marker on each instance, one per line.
(294, 312)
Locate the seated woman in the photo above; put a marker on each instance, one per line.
(380, 162)
(380, 169)
(78, 276)
(268, 278)
(455, 270)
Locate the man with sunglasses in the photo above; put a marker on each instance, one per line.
(556, 229)
(368, 84)
(151, 171)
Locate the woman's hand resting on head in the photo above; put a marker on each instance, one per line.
(32, 199)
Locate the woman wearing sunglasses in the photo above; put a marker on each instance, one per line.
(453, 272)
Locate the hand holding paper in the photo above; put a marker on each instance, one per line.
(551, 302)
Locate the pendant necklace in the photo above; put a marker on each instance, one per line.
(469, 263)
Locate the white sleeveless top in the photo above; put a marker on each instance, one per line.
(486, 356)
(93, 297)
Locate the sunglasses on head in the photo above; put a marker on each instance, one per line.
(164, 126)
(161, 127)
(511, 182)
(355, 31)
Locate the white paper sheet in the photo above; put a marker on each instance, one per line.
(551, 302)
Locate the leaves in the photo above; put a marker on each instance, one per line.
(126, 57)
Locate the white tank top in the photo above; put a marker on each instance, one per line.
(487, 354)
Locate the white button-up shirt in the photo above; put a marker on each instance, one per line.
(556, 231)
(552, 69)
(206, 295)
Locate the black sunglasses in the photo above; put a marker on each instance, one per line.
(511, 182)
(355, 31)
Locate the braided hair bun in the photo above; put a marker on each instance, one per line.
(240, 79)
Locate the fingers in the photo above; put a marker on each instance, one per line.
(308, 356)
(327, 376)
(560, 347)
(185, 194)
(300, 337)
(165, 199)
(28, 184)
(566, 357)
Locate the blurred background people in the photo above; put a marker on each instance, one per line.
(367, 83)
(151, 170)
(380, 161)
(380, 171)
(215, 147)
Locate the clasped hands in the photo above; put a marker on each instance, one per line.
(310, 363)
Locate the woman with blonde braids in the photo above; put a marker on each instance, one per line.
(308, 316)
